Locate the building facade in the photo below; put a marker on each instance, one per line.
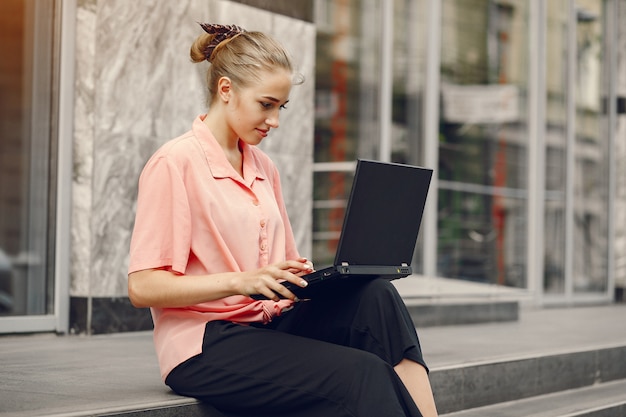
(518, 106)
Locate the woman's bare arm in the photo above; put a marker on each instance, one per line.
(161, 288)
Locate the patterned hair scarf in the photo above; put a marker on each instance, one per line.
(220, 34)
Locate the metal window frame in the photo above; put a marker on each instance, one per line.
(612, 27)
(58, 320)
(431, 135)
(386, 80)
(67, 29)
(536, 150)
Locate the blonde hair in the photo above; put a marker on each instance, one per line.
(241, 58)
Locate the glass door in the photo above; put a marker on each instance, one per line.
(347, 119)
(591, 153)
(27, 152)
(576, 215)
(483, 142)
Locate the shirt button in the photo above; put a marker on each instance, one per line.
(255, 202)
(263, 246)
(262, 223)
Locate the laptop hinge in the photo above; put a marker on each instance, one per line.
(347, 264)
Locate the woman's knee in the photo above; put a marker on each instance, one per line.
(364, 364)
(379, 291)
(381, 286)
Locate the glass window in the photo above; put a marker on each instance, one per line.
(557, 27)
(348, 88)
(346, 110)
(589, 149)
(409, 75)
(591, 188)
(483, 161)
(26, 148)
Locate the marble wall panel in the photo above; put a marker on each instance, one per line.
(147, 92)
(83, 147)
(136, 88)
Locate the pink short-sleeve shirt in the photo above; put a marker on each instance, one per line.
(196, 215)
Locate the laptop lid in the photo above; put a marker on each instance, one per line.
(384, 214)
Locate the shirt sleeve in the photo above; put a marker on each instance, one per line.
(162, 232)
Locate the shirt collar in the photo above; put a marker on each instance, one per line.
(218, 164)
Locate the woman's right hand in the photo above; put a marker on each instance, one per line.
(163, 288)
(267, 281)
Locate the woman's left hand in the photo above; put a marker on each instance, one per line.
(300, 272)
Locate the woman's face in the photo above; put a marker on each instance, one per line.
(254, 110)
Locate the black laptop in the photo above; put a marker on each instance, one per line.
(380, 225)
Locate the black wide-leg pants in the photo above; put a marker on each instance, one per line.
(330, 356)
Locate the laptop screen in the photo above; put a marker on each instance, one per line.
(384, 213)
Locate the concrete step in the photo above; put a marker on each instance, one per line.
(475, 385)
(460, 312)
(444, 302)
(568, 384)
(607, 399)
(176, 408)
(545, 352)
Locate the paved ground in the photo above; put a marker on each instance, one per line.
(62, 375)
(542, 331)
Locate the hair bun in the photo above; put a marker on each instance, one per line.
(219, 33)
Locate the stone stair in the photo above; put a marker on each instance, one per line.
(548, 363)
(589, 382)
(601, 400)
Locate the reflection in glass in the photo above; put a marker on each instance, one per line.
(26, 47)
(583, 225)
(328, 213)
(409, 68)
(346, 80)
(347, 84)
(483, 161)
(556, 146)
(592, 146)
(409, 52)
